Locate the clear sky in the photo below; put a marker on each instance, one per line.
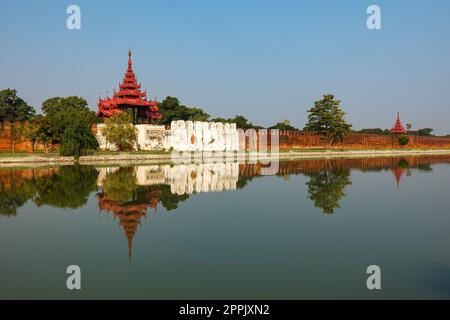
(267, 60)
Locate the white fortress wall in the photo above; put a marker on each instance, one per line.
(182, 136)
(202, 136)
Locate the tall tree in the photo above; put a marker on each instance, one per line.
(241, 122)
(59, 113)
(327, 118)
(77, 138)
(171, 109)
(70, 121)
(38, 130)
(284, 125)
(13, 108)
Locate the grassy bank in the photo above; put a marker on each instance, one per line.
(154, 157)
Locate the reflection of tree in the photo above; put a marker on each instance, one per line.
(126, 200)
(243, 182)
(121, 188)
(327, 188)
(120, 185)
(70, 188)
(14, 197)
(424, 167)
(169, 200)
(63, 187)
(402, 164)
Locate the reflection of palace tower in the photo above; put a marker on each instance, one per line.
(129, 214)
(127, 192)
(398, 174)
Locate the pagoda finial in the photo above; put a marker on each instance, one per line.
(130, 246)
(129, 60)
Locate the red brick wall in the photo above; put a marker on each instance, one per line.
(22, 145)
(287, 140)
(303, 139)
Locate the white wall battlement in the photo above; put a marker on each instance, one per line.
(182, 136)
(202, 136)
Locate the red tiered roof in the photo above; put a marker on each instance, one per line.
(398, 127)
(129, 96)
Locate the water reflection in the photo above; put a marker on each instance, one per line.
(63, 187)
(326, 188)
(121, 195)
(128, 192)
(167, 185)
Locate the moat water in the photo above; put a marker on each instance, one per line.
(307, 230)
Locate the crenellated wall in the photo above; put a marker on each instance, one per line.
(182, 136)
(211, 136)
(302, 139)
(202, 136)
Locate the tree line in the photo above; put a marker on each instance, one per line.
(67, 121)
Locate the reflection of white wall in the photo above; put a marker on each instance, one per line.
(185, 178)
(207, 177)
(102, 172)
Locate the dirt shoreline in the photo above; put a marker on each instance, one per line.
(165, 158)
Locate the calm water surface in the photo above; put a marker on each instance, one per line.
(214, 231)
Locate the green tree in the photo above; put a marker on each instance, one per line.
(403, 139)
(241, 122)
(194, 114)
(169, 200)
(120, 132)
(55, 105)
(70, 121)
(77, 138)
(17, 133)
(13, 108)
(38, 130)
(327, 118)
(45, 132)
(59, 113)
(284, 125)
(327, 188)
(171, 109)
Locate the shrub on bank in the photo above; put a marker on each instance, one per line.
(403, 140)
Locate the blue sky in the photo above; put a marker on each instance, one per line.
(267, 60)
